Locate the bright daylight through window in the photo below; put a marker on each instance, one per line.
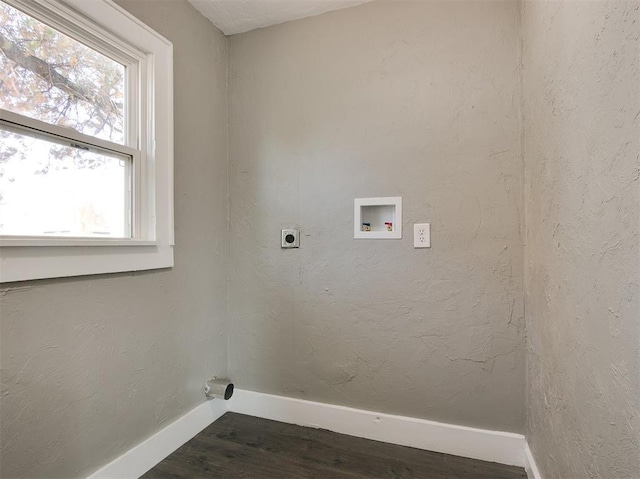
(85, 143)
(49, 185)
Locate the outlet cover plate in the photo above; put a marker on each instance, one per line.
(422, 235)
(290, 238)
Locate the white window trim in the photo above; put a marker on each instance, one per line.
(28, 258)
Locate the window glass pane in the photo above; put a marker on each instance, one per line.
(51, 77)
(48, 188)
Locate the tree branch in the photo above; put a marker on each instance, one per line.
(48, 73)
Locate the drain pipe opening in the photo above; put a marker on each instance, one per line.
(218, 388)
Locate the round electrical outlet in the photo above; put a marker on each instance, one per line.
(290, 239)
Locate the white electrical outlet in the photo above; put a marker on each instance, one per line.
(422, 235)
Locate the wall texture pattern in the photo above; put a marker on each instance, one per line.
(422, 99)
(582, 137)
(417, 99)
(92, 366)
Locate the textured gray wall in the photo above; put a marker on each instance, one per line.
(408, 98)
(582, 130)
(91, 366)
(418, 99)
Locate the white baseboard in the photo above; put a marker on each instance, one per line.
(141, 458)
(531, 467)
(494, 446)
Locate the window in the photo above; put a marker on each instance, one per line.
(86, 133)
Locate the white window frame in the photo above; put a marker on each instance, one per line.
(106, 27)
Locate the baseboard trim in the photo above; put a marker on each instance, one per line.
(141, 458)
(494, 446)
(531, 467)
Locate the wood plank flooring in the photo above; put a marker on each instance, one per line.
(239, 446)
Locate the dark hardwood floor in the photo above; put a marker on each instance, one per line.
(238, 446)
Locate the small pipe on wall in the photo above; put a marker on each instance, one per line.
(218, 388)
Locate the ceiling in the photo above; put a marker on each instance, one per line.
(238, 16)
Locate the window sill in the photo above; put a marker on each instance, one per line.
(23, 263)
(71, 241)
